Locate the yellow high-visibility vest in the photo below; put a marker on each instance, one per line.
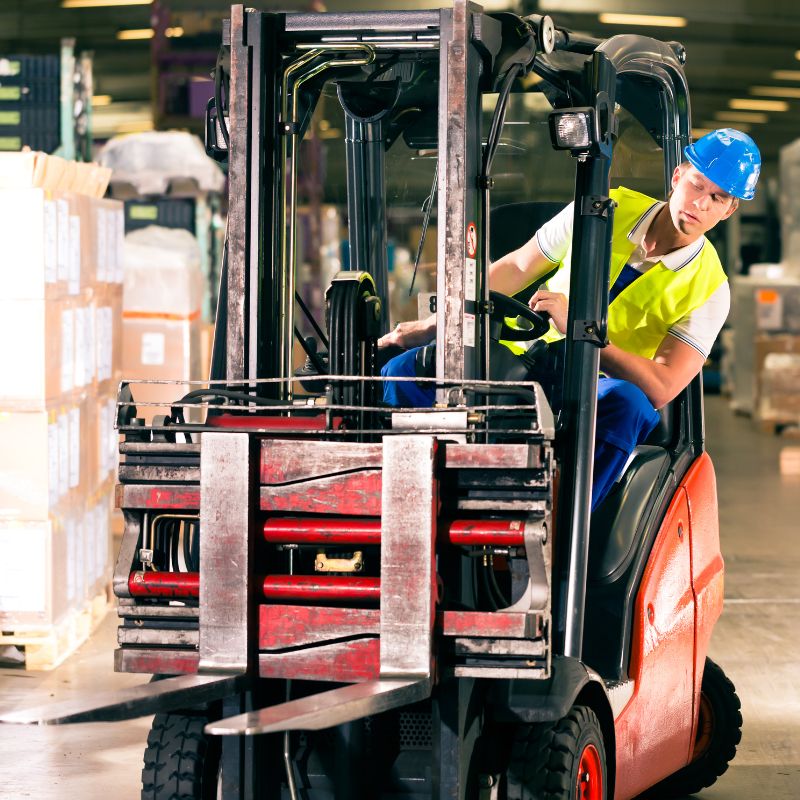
(640, 316)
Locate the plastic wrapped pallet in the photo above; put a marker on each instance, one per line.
(789, 201)
(155, 162)
(60, 317)
(161, 315)
(779, 400)
(763, 308)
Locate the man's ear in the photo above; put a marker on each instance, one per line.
(676, 175)
(734, 206)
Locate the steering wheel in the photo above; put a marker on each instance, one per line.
(504, 306)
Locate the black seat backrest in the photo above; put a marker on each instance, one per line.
(663, 435)
(621, 517)
(512, 225)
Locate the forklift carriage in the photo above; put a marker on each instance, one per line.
(340, 599)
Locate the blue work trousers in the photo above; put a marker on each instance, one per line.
(625, 417)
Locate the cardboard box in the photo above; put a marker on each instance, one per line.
(98, 543)
(37, 577)
(37, 361)
(764, 347)
(30, 237)
(156, 347)
(779, 399)
(109, 233)
(106, 444)
(50, 351)
(47, 459)
(107, 309)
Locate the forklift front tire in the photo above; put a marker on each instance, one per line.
(180, 762)
(563, 760)
(719, 731)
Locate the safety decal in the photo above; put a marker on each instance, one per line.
(472, 240)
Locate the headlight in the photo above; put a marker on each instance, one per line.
(573, 129)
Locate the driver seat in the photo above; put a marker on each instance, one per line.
(512, 225)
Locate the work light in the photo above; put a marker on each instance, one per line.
(573, 129)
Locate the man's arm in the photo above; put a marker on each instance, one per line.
(519, 268)
(662, 378)
(507, 275)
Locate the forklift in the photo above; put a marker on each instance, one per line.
(341, 599)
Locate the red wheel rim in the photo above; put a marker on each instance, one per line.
(705, 728)
(589, 784)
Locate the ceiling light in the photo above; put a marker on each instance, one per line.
(102, 3)
(776, 91)
(756, 117)
(786, 75)
(101, 100)
(753, 104)
(643, 19)
(135, 33)
(744, 127)
(797, 54)
(173, 33)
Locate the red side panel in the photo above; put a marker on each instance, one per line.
(707, 566)
(351, 493)
(281, 627)
(352, 661)
(655, 728)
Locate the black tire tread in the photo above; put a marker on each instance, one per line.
(543, 756)
(174, 758)
(704, 772)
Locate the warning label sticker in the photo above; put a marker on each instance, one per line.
(472, 240)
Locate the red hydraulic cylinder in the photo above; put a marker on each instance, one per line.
(486, 532)
(274, 587)
(289, 530)
(321, 588)
(478, 532)
(164, 584)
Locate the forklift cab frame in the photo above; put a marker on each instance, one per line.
(434, 492)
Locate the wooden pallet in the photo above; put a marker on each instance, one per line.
(46, 648)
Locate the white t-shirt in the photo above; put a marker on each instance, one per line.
(700, 327)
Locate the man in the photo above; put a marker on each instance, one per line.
(668, 300)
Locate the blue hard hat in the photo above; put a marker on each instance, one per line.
(729, 158)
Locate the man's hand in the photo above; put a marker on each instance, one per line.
(553, 303)
(410, 334)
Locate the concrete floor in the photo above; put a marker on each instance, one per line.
(757, 642)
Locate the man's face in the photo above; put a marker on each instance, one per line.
(696, 204)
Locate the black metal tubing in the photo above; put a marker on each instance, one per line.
(588, 302)
(365, 148)
(650, 58)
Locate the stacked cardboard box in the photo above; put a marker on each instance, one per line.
(765, 318)
(162, 329)
(780, 389)
(60, 324)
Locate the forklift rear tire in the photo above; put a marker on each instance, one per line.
(719, 731)
(563, 760)
(180, 761)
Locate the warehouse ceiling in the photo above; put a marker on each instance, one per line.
(743, 55)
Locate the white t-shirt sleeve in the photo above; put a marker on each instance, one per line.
(555, 236)
(701, 327)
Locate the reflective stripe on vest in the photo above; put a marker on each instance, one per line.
(642, 314)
